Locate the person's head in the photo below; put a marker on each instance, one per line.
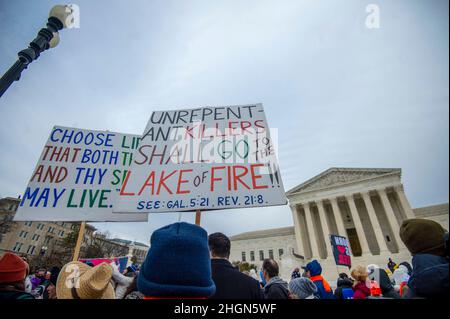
(296, 269)
(47, 275)
(270, 269)
(372, 267)
(343, 275)
(423, 236)
(178, 263)
(312, 269)
(80, 281)
(360, 274)
(219, 245)
(390, 260)
(302, 288)
(40, 272)
(13, 271)
(51, 291)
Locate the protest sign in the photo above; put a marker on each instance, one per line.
(120, 261)
(341, 250)
(77, 175)
(201, 159)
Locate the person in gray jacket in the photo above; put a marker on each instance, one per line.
(276, 288)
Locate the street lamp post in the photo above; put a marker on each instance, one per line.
(47, 38)
(43, 250)
(42, 253)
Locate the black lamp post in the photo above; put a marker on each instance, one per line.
(47, 38)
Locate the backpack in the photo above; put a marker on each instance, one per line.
(347, 293)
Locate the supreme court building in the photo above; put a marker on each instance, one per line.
(366, 205)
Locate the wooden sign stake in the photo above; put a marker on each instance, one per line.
(76, 253)
(198, 215)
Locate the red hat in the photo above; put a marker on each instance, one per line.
(12, 268)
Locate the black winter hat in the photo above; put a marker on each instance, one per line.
(423, 236)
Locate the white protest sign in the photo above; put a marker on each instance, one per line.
(77, 175)
(204, 158)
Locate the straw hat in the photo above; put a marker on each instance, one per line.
(80, 281)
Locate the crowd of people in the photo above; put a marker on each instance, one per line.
(184, 262)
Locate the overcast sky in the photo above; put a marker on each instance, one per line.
(340, 94)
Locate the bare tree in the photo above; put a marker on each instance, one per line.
(6, 224)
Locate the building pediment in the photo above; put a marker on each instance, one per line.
(341, 176)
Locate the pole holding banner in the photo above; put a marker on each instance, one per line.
(76, 253)
(198, 216)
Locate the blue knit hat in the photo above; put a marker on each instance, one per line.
(178, 263)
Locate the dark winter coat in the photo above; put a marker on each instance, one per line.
(429, 278)
(276, 288)
(14, 294)
(387, 289)
(342, 283)
(231, 283)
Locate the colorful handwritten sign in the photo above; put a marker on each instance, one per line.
(341, 250)
(204, 158)
(77, 175)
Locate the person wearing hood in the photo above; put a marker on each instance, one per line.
(275, 288)
(381, 277)
(313, 271)
(426, 240)
(344, 287)
(178, 264)
(302, 288)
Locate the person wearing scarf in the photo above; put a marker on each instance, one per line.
(313, 270)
